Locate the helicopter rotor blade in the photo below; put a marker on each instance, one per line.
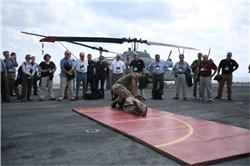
(103, 40)
(170, 45)
(92, 47)
(83, 39)
(34, 34)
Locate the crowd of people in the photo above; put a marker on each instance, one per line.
(85, 72)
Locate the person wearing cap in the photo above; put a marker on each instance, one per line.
(102, 71)
(137, 66)
(205, 74)
(179, 71)
(66, 76)
(157, 68)
(81, 68)
(27, 78)
(5, 97)
(195, 69)
(47, 69)
(117, 70)
(228, 66)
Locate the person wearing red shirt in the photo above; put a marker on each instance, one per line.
(205, 74)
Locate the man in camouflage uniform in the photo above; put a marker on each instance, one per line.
(125, 89)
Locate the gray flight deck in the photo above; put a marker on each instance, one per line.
(49, 133)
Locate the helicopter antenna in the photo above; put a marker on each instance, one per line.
(179, 51)
(169, 54)
(209, 52)
(42, 48)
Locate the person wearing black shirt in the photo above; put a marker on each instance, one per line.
(137, 66)
(102, 71)
(228, 66)
(91, 73)
(47, 69)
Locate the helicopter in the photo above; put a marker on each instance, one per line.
(127, 55)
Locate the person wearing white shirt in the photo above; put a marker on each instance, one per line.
(81, 66)
(27, 78)
(117, 69)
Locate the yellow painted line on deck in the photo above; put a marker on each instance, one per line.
(190, 132)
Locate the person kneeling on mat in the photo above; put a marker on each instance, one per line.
(125, 89)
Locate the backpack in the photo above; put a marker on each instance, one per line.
(93, 96)
(157, 94)
(20, 72)
(188, 77)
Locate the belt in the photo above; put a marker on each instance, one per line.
(158, 74)
(81, 72)
(117, 74)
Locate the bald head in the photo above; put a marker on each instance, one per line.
(118, 57)
(82, 55)
(205, 58)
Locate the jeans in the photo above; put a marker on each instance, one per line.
(196, 82)
(81, 78)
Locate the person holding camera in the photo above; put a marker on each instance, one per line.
(47, 69)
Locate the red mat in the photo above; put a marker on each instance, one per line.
(186, 139)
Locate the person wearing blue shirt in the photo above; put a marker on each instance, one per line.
(157, 68)
(179, 71)
(66, 76)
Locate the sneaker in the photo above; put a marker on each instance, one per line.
(52, 98)
(184, 98)
(29, 99)
(72, 99)
(210, 100)
(41, 99)
(193, 97)
(175, 98)
(229, 98)
(217, 97)
(60, 98)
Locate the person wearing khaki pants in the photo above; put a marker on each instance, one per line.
(66, 76)
(47, 69)
(228, 66)
(205, 74)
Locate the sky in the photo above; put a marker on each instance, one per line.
(222, 25)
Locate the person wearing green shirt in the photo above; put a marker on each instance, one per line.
(195, 68)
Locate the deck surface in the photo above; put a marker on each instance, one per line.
(186, 139)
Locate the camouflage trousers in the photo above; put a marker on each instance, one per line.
(127, 102)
